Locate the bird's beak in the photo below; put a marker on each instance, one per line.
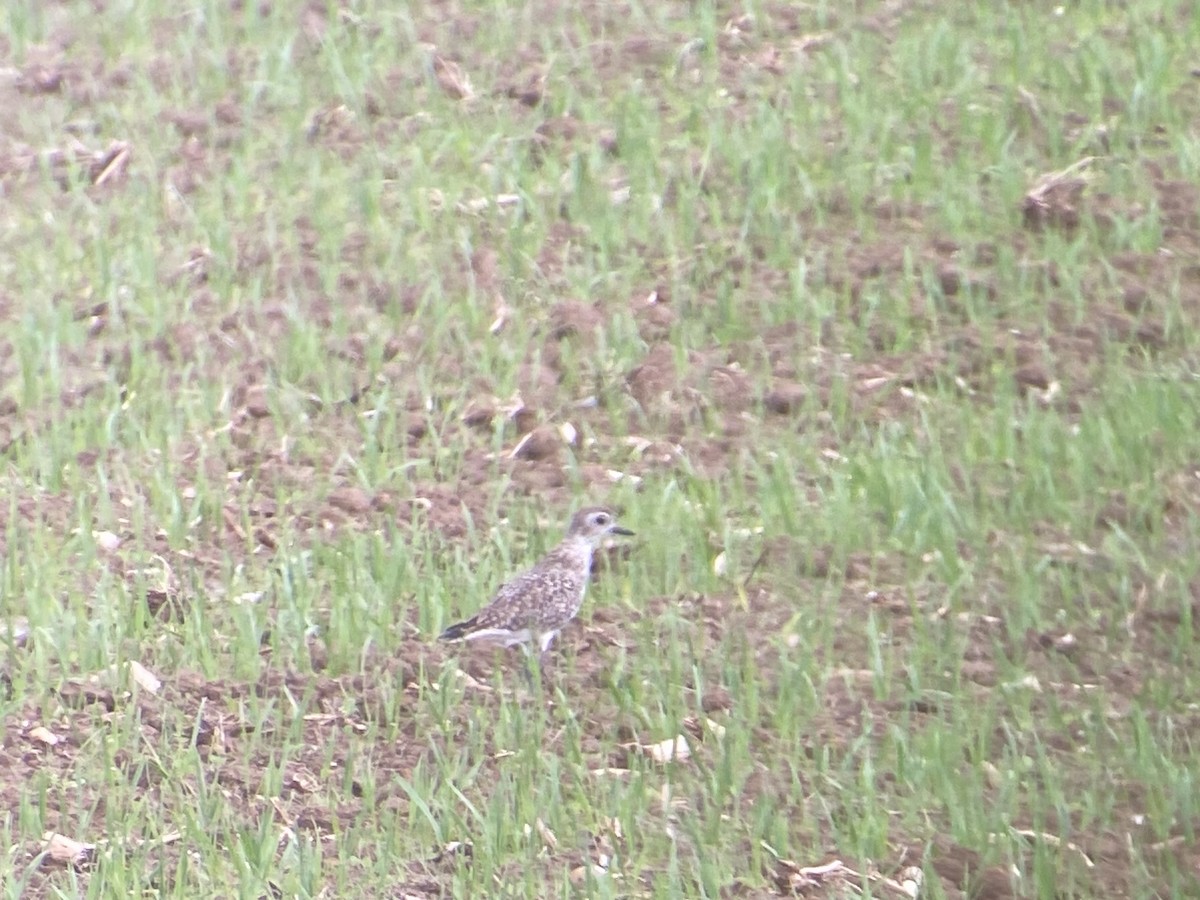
(617, 529)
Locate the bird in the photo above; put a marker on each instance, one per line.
(533, 607)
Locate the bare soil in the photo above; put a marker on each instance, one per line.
(699, 409)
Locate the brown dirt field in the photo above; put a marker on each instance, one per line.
(693, 414)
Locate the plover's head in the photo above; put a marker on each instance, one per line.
(592, 523)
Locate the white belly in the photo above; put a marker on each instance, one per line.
(501, 636)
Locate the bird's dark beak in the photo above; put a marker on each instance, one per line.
(617, 529)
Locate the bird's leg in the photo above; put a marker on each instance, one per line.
(539, 661)
(527, 652)
(543, 658)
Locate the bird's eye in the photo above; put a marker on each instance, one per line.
(602, 519)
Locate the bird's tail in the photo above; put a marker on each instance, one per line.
(459, 631)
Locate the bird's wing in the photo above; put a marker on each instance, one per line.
(517, 602)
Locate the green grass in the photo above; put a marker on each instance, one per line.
(939, 613)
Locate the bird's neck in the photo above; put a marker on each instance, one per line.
(575, 552)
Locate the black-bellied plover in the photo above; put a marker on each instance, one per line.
(534, 606)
